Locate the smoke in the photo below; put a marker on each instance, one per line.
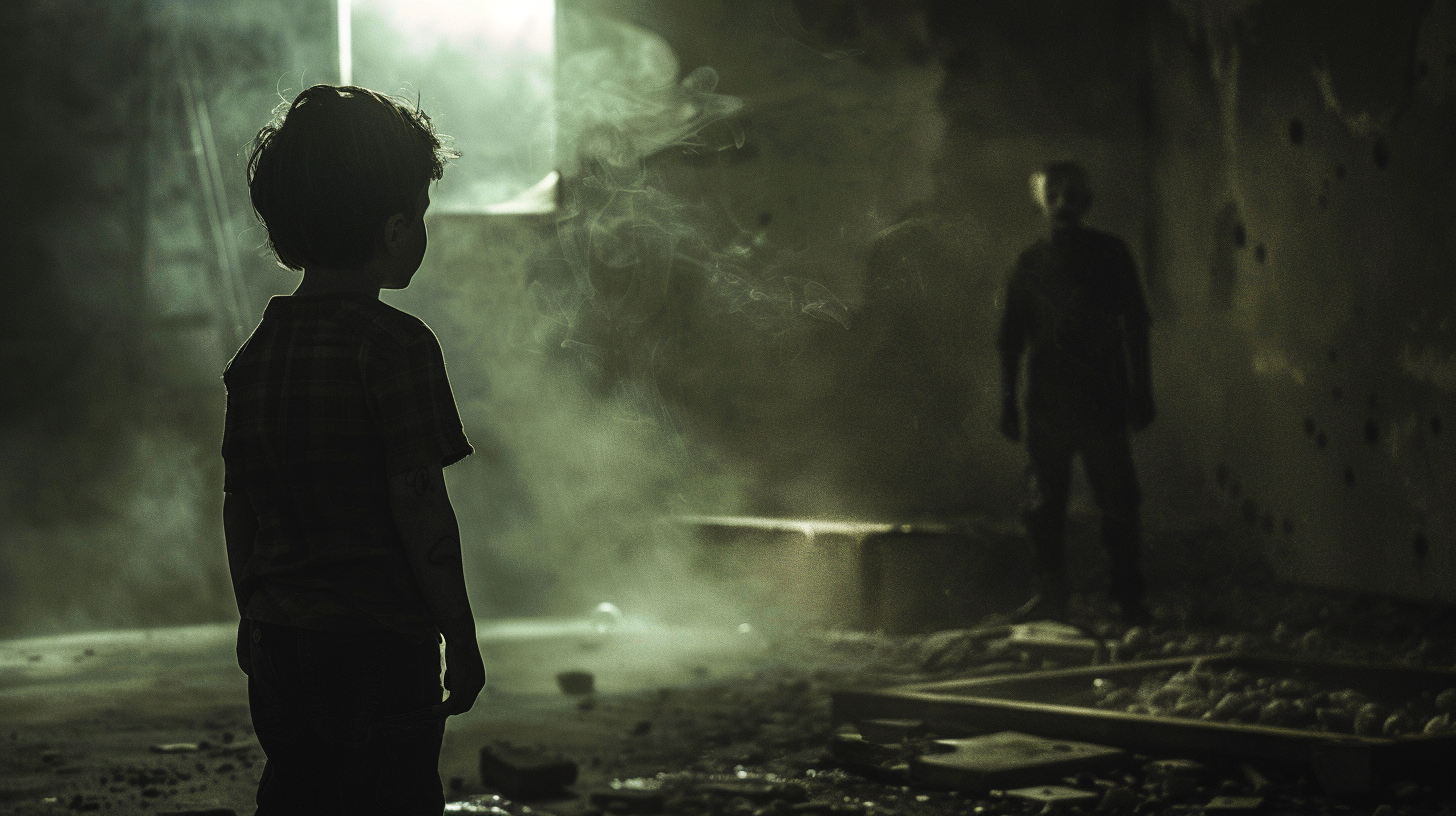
(558, 337)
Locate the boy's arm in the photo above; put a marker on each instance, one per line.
(239, 529)
(431, 536)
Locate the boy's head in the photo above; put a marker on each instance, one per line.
(329, 171)
(1063, 191)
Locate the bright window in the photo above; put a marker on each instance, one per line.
(483, 71)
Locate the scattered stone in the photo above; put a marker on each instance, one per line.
(176, 748)
(629, 800)
(576, 683)
(523, 773)
(1234, 805)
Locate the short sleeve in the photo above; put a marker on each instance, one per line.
(227, 481)
(412, 402)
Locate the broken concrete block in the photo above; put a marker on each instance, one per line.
(1053, 795)
(887, 732)
(1234, 805)
(1178, 778)
(1008, 760)
(753, 791)
(576, 683)
(870, 759)
(523, 773)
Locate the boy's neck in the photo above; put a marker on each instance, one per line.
(321, 281)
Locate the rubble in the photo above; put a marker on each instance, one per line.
(1006, 760)
(525, 773)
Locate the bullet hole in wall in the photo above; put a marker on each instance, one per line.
(1320, 440)
(1349, 477)
(1436, 425)
(1241, 236)
(765, 218)
(1296, 131)
(1251, 512)
(1309, 426)
(1372, 431)
(1420, 547)
(1380, 153)
(1337, 393)
(1260, 253)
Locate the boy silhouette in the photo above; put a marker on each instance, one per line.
(342, 544)
(1075, 301)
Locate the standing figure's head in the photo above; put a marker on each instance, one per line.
(342, 175)
(1063, 192)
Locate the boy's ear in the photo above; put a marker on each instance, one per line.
(393, 230)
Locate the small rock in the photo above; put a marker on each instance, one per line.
(176, 748)
(576, 683)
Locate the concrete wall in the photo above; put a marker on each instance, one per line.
(772, 287)
(1304, 187)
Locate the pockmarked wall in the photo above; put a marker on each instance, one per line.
(771, 286)
(1304, 181)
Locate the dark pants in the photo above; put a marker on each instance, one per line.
(340, 716)
(1107, 460)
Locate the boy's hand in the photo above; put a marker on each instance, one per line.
(464, 669)
(464, 678)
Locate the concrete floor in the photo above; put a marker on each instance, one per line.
(76, 709)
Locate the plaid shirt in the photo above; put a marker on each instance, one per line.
(331, 396)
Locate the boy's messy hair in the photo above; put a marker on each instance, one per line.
(332, 167)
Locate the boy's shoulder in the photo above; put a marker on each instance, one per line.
(386, 323)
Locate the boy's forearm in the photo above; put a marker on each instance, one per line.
(431, 537)
(240, 528)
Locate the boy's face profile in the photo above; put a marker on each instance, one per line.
(405, 241)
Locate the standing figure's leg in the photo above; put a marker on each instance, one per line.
(1050, 449)
(1113, 478)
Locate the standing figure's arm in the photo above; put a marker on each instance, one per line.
(1136, 321)
(1011, 342)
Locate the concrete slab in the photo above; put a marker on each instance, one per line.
(524, 773)
(1053, 795)
(1008, 760)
